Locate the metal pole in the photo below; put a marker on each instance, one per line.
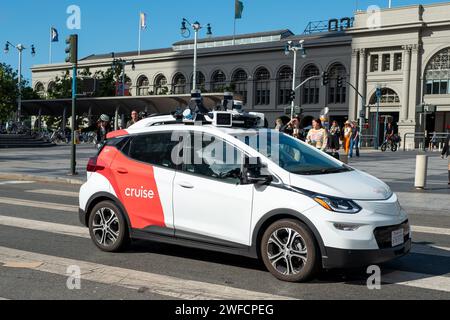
(194, 79)
(294, 74)
(74, 98)
(377, 125)
(425, 128)
(19, 100)
(123, 79)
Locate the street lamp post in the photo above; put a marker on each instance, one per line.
(123, 63)
(295, 48)
(20, 48)
(377, 124)
(185, 32)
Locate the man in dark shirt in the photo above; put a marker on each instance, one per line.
(134, 118)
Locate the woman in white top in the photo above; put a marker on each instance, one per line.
(318, 136)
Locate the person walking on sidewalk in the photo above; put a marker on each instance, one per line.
(318, 136)
(347, 137)
(446, 153)
(354, 140)
(335, 136)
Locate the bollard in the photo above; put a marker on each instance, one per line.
(421, 172)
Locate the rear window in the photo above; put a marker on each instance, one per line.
(155, 149)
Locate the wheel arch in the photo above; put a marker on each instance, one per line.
(104, 196)
(279, 214)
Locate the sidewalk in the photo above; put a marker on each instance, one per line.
(47, 164)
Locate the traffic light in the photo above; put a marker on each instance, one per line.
(292, 95)
(325, 78)
(340, 82)
(72, 49)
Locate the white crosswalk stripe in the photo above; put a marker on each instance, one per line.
(3, 183)
(431, 230)
(39, 204)
(50, 227)
(159, 284)
(417, 280)
(55, 193)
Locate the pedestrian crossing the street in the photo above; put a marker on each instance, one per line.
(177, 287)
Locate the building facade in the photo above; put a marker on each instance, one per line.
(405, 52)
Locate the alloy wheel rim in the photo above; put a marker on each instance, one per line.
(287, 251)
(106, 227)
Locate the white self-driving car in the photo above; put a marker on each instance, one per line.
(231, 186)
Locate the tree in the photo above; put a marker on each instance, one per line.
(9, 91)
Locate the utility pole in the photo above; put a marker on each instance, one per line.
(72, 57)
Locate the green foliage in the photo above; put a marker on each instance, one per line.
(9, 92)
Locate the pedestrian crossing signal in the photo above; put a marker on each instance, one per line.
(72, 49)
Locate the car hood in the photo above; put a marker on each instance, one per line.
(355, 185)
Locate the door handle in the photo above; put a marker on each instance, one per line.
(122, 171)
(186, 185)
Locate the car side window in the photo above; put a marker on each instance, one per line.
(212, 157)
(155, 149)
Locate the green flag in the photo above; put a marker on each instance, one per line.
(239, 9)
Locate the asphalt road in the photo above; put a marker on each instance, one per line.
(40, 237)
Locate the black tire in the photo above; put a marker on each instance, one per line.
(383, 147)
(394, 147)
(302, 240)
(116, 229)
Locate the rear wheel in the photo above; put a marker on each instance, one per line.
(394, 147)
(289, 251)
(108, 228)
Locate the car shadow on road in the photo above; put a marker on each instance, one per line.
(414, 266)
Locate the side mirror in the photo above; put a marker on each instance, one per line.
(252, 172)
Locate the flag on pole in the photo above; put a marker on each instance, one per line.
(239, 9)
(54, 35)
(143, 21)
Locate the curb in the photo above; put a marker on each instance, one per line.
(24, 177)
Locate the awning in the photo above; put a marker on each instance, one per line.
(108, 105)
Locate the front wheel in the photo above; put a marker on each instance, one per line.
(289, 251)
(394, 147)
(108, 228)
(384, 147)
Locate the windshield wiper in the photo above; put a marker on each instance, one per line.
(323, 171)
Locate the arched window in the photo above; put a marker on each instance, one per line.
(262, 87)
(218, 81)
(51, 87)
(201, 80)
(179, 84)
(388, 96)
(284, 81)
(337, 94)
(311, 90)
(142, 86)
(437, 73)
(40, 89)
(239, 83)
(160, 86)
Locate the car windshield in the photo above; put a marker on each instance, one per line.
(291, 154)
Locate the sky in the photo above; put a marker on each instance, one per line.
(112, 26)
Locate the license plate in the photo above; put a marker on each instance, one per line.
(397, 238)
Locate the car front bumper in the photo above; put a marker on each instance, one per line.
(343, 258)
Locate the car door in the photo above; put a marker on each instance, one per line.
(144, 173)
(209, 202)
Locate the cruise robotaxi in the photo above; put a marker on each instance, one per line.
(219, 180)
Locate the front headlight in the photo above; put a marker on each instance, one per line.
(337, 204)
(330, 203)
